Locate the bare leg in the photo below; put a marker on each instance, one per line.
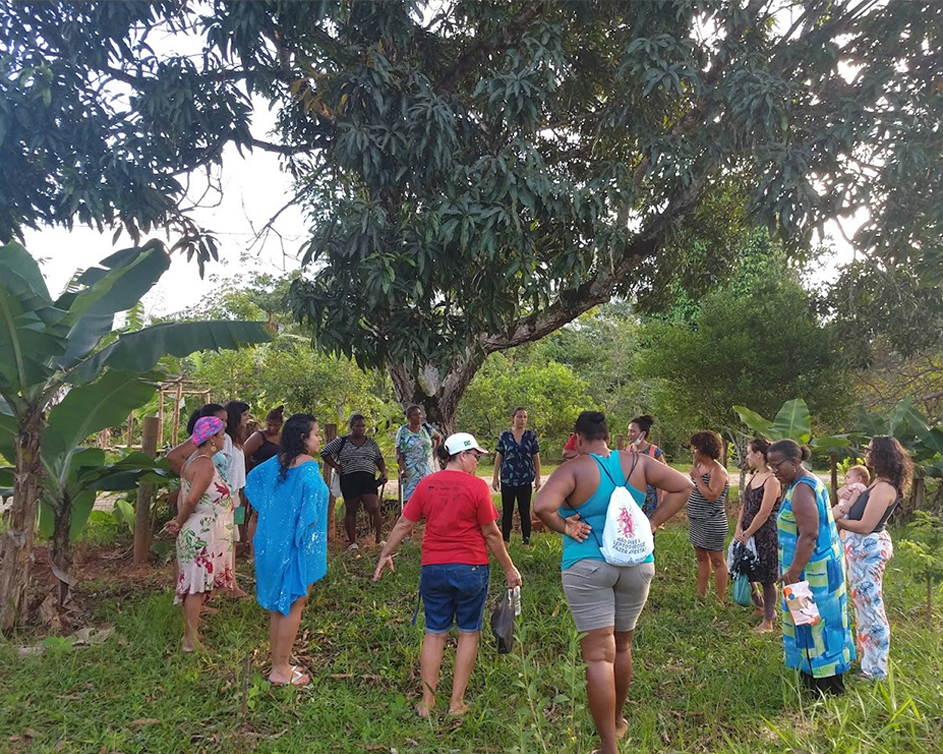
(350, 519)
(250, 534)
(769, 609)
(371, 504)
(703, 571)
(465, 657)
(283, 629)
(192, 604)
(720, 574)
(430, 660)
(599, 654)
(623, 672)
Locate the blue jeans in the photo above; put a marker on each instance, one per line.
(454, 592)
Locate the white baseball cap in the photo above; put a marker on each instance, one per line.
(462, 441)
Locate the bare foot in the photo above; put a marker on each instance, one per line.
(238, 593)
(209, 610)
(423, 711)
(622, 727)
(757, 613)
(764, 628)
(457, 710)
(296, 676)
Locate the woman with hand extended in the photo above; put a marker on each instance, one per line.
(810, 550)
(415, 446)
(290, 500)
(356, 458)
(517, 464)
(707, 513)
(639, 429)
(460, 529)
(758, 520)
(203, 527)
(868, 547)
(606, 600)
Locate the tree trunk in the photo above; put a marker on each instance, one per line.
(16, 546)
(437, 391)
(833, 463)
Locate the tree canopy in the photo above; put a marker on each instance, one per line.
(478, 173)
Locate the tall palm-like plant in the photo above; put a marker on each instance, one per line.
(58, 385)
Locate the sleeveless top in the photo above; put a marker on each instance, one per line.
(593, 512)
(266, 450)
(700, 508)
(857, 510)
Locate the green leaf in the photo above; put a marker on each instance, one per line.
(906, 422)
(20, 274)
(754, 421)
(93, 310)
(8, 432)
(139, 351)
(26, 345)
(87, 409)
(792, 422)
(933, 440)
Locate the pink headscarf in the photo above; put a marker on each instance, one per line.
(205, 428)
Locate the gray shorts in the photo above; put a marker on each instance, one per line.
(602, 595)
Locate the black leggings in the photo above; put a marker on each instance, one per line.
(508, 494)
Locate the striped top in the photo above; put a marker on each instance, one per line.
(702, 509)
(352, 458)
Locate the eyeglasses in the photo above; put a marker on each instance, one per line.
(775, 466)
(473, 454)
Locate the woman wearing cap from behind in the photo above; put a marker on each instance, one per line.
(203, 526)
(460, 529)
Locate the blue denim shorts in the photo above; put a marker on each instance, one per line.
(453, 591)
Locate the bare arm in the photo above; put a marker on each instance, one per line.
(716, 480)
(199, 475)
(252, 444)
(770, 496)
(495, 543)
(496, 476)
(882, 496)
(551, 496)
(401, 530)
(676, 486)
(537, 480)
(381, 465)
(807, 522)
(178, 456)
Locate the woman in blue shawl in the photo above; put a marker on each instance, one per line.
(289, 499)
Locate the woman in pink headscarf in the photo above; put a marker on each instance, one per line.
(204, 529)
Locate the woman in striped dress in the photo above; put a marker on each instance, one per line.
(706, 512)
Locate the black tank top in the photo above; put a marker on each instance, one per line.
(857, 510)
(266, 450)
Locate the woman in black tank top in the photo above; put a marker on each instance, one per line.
(868, 547)
(264, 444)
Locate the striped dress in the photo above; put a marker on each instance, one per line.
(826, 649)
(708, 520)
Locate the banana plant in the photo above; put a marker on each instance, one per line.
(794, 422)
(59, 384)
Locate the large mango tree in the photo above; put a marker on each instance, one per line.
(64, 377)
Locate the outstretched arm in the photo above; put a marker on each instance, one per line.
(403, 529)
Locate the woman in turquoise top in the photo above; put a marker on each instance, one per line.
(605, 600)
(289, 499)
(810, 550)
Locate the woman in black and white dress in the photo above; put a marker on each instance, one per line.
(706, 512)
(356, 457)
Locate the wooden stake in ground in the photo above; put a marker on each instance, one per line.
(330, 432)
(142, 506)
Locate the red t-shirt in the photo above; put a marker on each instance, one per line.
(455, 506)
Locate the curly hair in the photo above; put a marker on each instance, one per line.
(294, 434)
(890, 460)
(707, 443)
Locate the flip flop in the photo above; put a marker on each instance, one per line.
(297, 673)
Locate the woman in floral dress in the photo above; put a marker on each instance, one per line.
(203, 527)
(415, 443)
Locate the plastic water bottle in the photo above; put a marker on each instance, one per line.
(516, 600)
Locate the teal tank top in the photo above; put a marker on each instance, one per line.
(593, 512)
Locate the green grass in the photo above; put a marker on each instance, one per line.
(703, 683)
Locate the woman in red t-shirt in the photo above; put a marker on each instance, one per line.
(460, 529)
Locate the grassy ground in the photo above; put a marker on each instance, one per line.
(703, 683)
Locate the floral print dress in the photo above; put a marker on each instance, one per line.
(204, 544)
(416, 449)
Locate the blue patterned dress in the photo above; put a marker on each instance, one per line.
(291, 539)
(826, 649)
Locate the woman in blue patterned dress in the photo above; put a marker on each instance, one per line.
(639, 430)
(517, 463)
(868, 547)
(415, 444)
(289, 501)
(810, 550)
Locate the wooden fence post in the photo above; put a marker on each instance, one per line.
(142, 507)
(330, 432)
